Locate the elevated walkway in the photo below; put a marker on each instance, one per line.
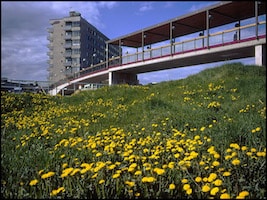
(225, 31)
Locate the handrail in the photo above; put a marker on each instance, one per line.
(197, 38)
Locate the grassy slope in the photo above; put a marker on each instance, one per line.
(182, 104)
(166, 100)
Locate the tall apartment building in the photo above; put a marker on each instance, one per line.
(74, 44)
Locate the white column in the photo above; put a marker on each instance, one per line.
(260, 58)
(110, 78)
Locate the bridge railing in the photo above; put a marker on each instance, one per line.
(97, 67)
(220, 38)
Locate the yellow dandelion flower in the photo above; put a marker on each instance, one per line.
(261, 154)
(94, 176)
(55, 192)
(130, 183)
(33, 182)
(212, 177)
(74, 171)
(253, 150)
(66, 172)
(201, 163)
(225, 196)
(215, 163)
(243, 193)
(138, 173)
(101, 181)
(171, 165)
(98, 154)
(186, 187)
(177, 155)
(64, 165)
(137, 194)
(214, 191)
(226, 173)
(198, 179)
(236, 162)
(110, 167)
(131, 169)
(172, 186)
(249, 153)
(40, 172)
(205, 179)
(133, 165)
(218, 182)
(216, 155)
(149, 179)
(115, 176)
(244, 148)
(159, 171)
(235, 146)
(184, 180)
(258, 129)
(189, 191)
(47, 175)
(228, 150)
(205, 188)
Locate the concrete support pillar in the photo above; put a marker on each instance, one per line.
(260, 55)
(122, 78)
(110, 78)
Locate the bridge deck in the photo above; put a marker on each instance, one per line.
(220, 36)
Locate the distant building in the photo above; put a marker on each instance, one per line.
(20, 86)
(74, 44)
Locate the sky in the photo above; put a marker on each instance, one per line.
(24, 31)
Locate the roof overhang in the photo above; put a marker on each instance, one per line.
(222, 13)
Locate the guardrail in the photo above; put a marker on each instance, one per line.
(225, 37)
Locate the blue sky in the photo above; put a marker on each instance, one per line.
(24, 31)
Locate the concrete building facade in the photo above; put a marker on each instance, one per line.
(75, 44)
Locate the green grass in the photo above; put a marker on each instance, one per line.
(220, 114)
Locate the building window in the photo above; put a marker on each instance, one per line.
(76, 24)
(68, 33)
(75, 60)
(76, 42)
(75, 51)
(76, 33)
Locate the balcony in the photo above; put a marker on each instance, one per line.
(67, 54)
(76, 28)
(67, 37)
(50, 46)
(50, 38)
(68, 45)
(67, 64)
(76, 37)
(67, 28)
(50, 30)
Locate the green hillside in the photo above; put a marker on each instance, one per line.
(199, 137)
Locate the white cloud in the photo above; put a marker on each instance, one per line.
(109, 5)
(24, 33)
(146, 7)
(168, 4)
(196, 7)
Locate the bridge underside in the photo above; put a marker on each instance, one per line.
(194, 58)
